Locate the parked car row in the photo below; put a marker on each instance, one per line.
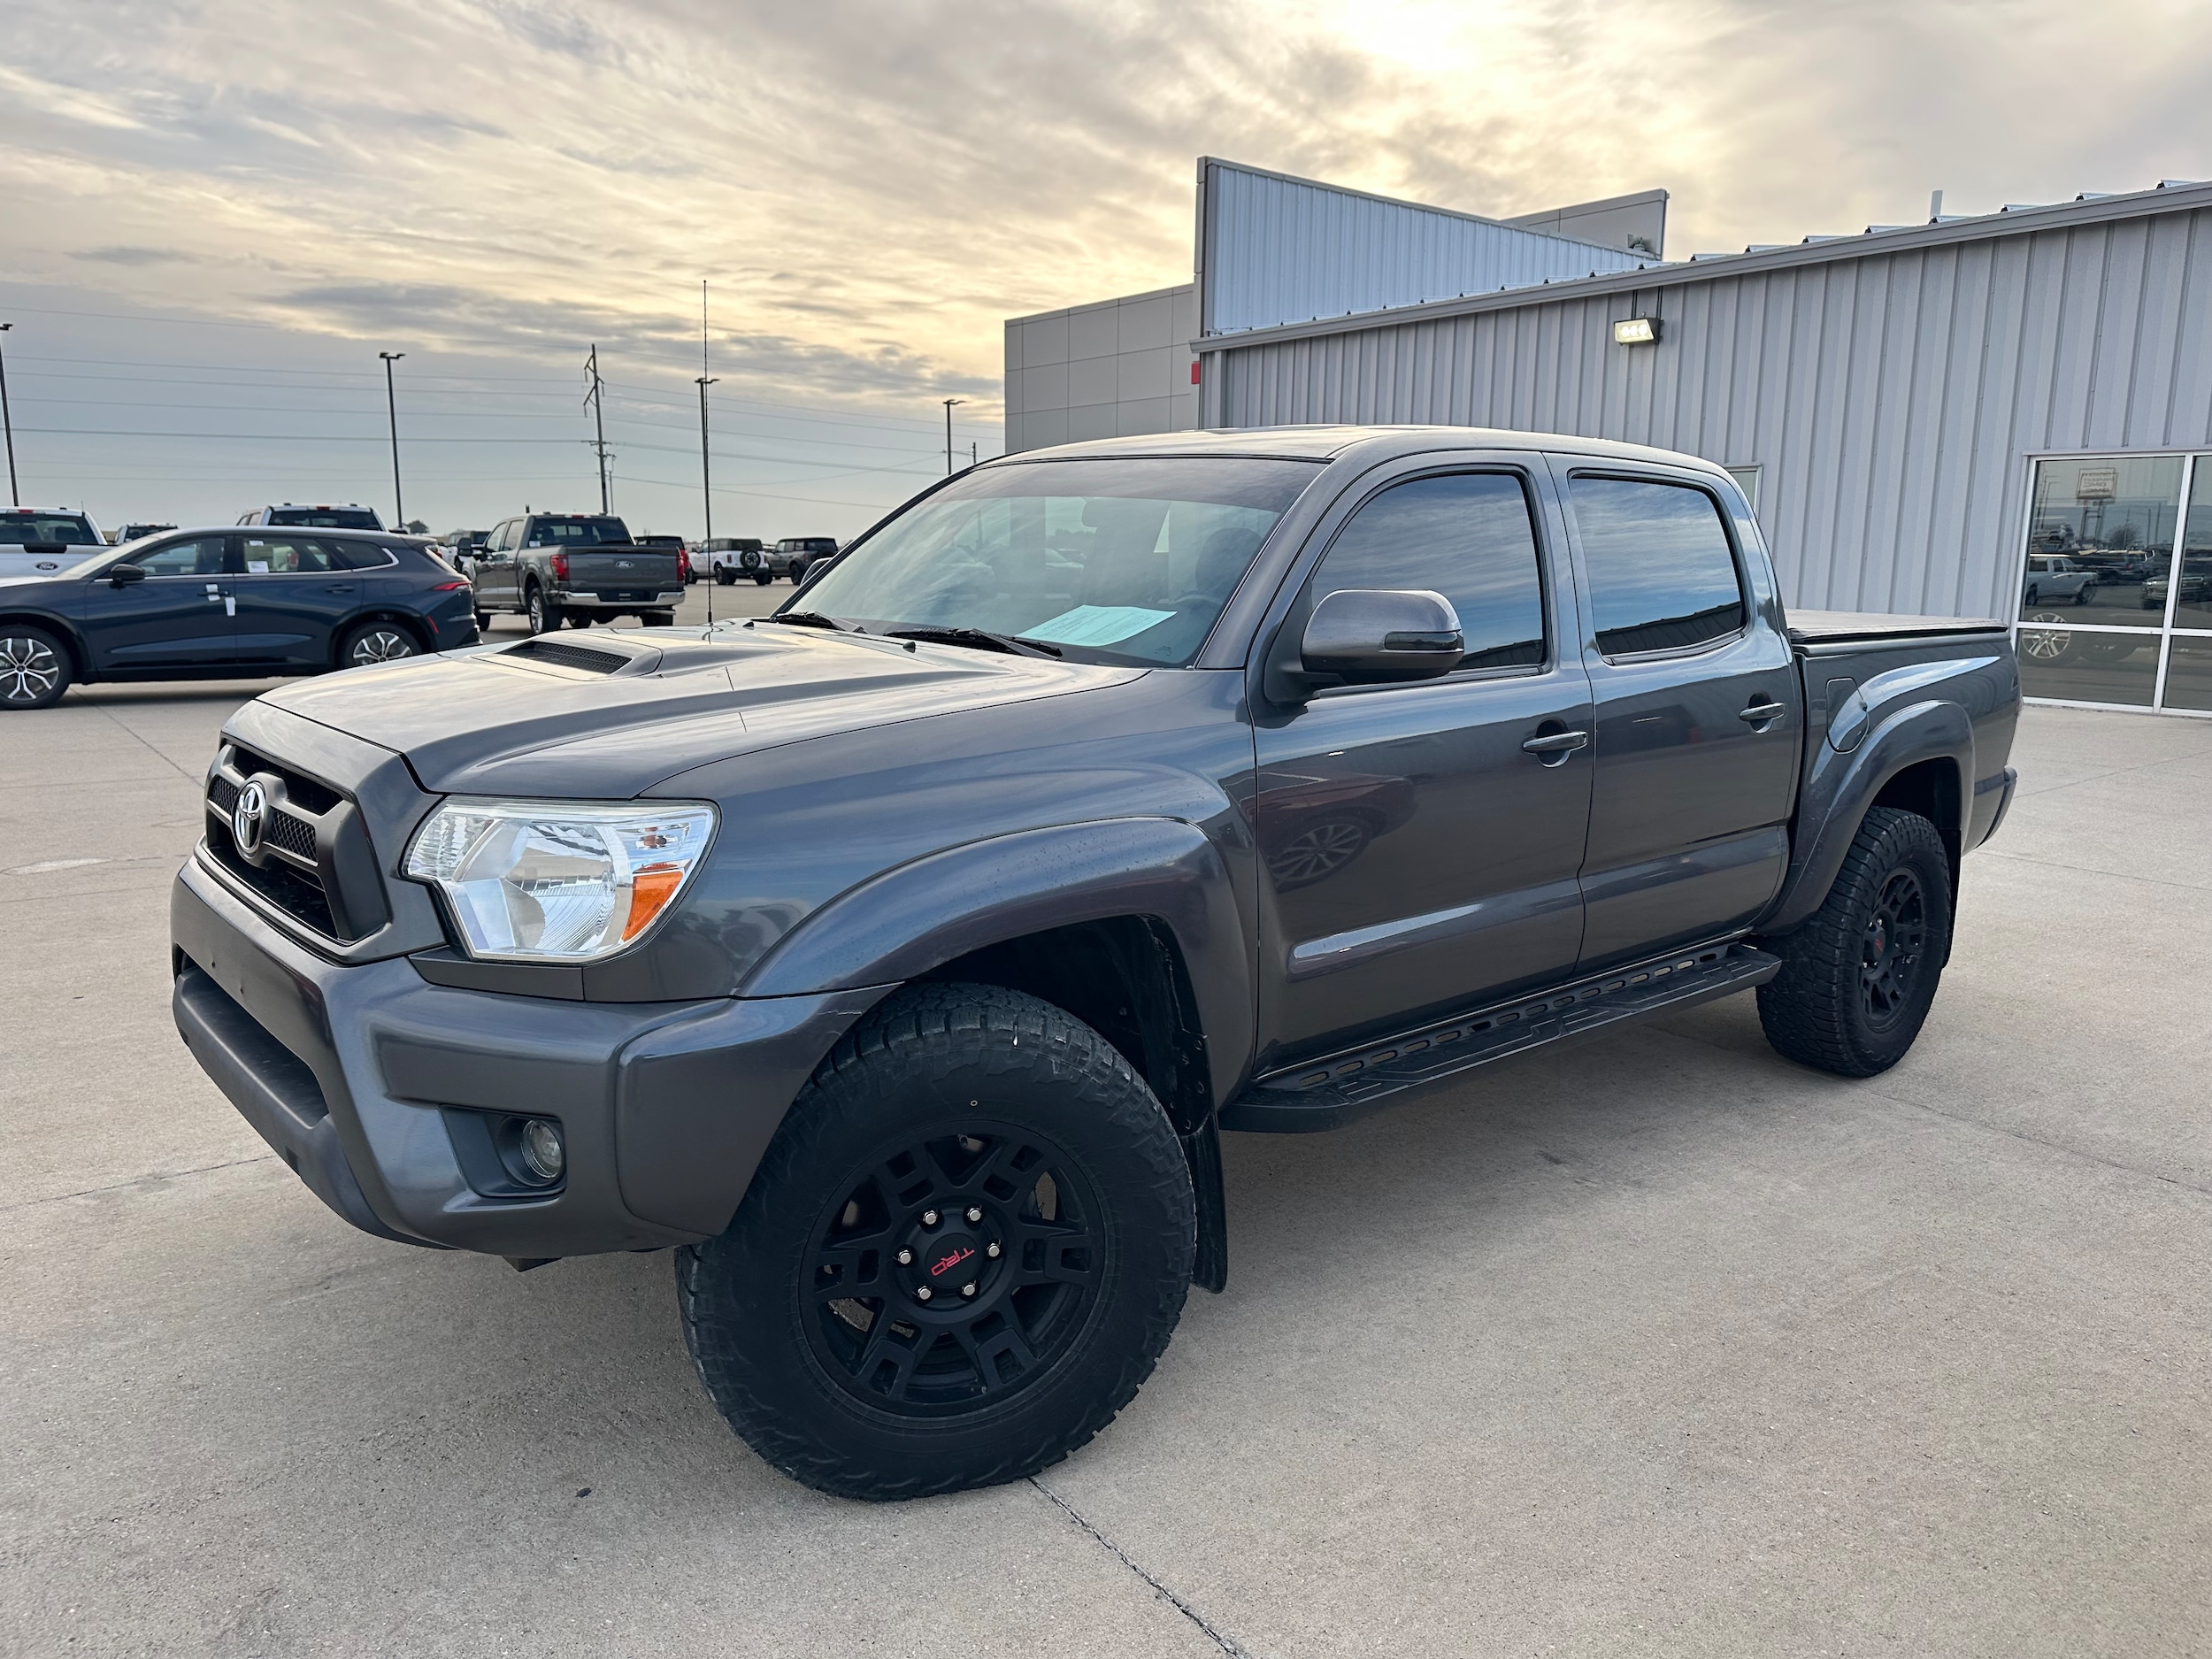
(748, 558)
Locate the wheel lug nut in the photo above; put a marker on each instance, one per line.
(991, 1250)
(974, 1214)
(929, 1218)
(968, 1289)
(906, 1258)
(923, 1295)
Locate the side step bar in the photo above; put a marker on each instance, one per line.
(1329, 1093)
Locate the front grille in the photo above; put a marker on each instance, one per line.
(314, 863)
(569, 656)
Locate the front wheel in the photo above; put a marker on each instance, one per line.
(1857, 979)
(961, 1256)
(34, 667)
(762, 579)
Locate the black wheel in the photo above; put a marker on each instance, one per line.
(544, 616)
(374, 642)
(1857, 979)
(761, 579)
(34, 667)
(798, 573)
(483, 621)
(576, 618)
(964, 1252)
(724, 578)
(2082, 594)
(2033, 596)
(657, 618)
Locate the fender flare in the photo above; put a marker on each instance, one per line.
(1842, 787)
(71, 636)
(899, 925)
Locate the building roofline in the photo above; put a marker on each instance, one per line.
(2173, 197)
(1096, 305)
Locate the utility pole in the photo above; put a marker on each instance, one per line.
(595, 397)
(706, 479)
(950, 402)
(971, 460)
(7, 419)
(391, 410)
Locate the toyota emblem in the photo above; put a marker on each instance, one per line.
(249, 817)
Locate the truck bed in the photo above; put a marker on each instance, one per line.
(1844, 627)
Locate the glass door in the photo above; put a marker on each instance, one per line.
(2109, 574)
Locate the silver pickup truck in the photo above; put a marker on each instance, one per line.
(574, 567)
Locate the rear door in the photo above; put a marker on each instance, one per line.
(1415, 856)
(293, 590)
(1697, 717)
(179, 616)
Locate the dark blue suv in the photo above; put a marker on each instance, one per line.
(228, 605)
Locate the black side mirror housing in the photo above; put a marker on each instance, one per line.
(123, 575)
(1373, 636)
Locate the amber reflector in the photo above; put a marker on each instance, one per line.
(650, 889)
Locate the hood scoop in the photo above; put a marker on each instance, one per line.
(584, 657)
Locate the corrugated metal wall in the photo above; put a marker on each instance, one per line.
(1276, 249)
(1888, 400)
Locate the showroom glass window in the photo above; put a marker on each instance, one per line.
(1662, 575)
(1468, 536)
(2096, 579)
(2188, 683)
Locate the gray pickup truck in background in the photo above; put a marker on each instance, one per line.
(899, 958)
(574, 567)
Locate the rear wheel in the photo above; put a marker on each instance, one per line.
(1857, 979)
(483, 621)
(762, 579)
(576, 618)
(374, 642)
(657, 618)
(544, 616)
(964, 1252)
(34, 667)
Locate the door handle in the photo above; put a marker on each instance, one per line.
(1763, 713)
(1556, 744)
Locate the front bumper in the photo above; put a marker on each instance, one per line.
(351, 1073)
(654, 600)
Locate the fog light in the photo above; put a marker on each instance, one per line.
(543, 1154)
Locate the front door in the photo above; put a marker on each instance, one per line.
(1694, 766)
(1415, 856)
(179, 616)
(293, 590)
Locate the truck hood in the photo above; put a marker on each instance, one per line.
(609, 715)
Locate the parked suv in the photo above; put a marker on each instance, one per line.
(352, 516)
(34, 542)
(577, 567)
(735, 557)
(897, 957)
(795, 555)
(228, 605)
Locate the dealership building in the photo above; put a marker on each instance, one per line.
(2005, 414)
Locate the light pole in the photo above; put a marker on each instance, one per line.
(15, 495)
(391, 410)
(950, 402)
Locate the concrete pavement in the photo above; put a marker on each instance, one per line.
(1656, 1345)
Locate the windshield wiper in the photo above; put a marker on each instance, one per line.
(816, 619)
(1009, 644)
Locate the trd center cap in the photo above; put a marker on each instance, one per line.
(945, 1262)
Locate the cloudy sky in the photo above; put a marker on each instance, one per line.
(219, 211)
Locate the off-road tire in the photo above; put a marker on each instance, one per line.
(657, 619)
(34, 667)
(930, 1059)
(1817, 1010)
(483, 622)
(762, 579)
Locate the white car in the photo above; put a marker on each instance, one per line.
(2053, 578)
(36, 542)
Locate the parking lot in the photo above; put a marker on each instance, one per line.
(1657, 1345)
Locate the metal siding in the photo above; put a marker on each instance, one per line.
(1890, 399)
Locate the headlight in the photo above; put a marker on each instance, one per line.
(558, 880)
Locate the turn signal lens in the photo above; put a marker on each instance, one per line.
(558, 880)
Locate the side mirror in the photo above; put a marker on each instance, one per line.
(1364, 636)
(124, 575)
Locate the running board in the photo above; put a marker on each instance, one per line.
(1329, 1093)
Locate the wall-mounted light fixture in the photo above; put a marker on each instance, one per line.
(1636, 331)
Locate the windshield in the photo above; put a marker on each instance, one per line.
(327, 517)
(20, 529)
(1108, 560)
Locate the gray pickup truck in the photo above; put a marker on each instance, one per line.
(898, 959)
(574, 567)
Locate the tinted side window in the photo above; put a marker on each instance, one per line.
(1662, 574)
(203, 556)
(1467, 536)
(283, 554)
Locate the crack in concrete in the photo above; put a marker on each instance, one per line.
(136, 1180)
(1122, 1556)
